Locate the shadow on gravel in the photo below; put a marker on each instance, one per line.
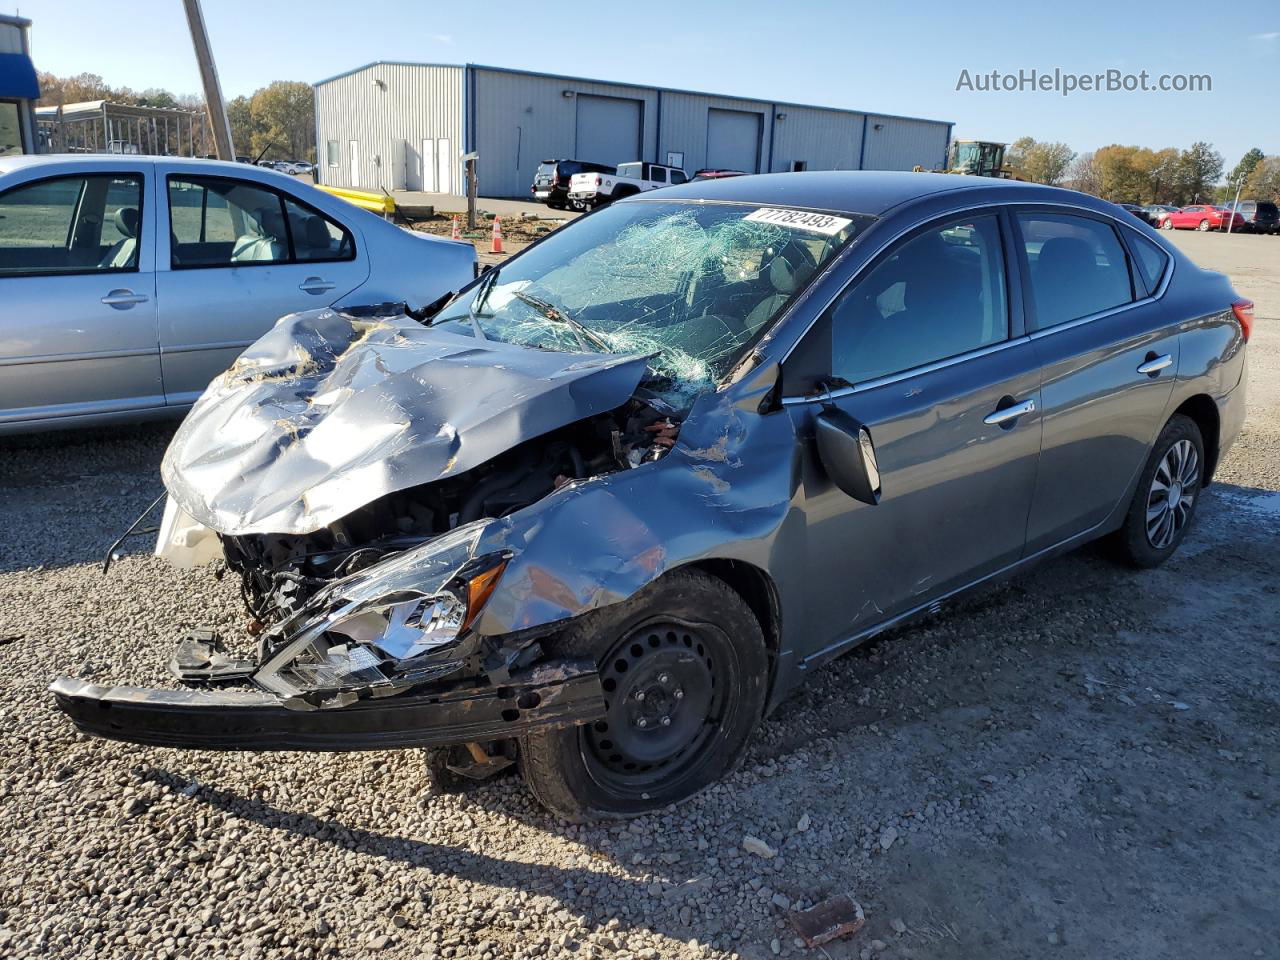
(535, 878)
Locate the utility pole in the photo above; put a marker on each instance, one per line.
(218, 121)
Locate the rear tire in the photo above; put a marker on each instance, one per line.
(685, 670)
(1164, 503)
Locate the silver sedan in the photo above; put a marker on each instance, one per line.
(127, 283)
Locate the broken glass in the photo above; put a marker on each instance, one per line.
(688, 285)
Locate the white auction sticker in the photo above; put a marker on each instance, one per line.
(822, 223)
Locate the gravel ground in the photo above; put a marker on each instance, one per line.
(1079, 764)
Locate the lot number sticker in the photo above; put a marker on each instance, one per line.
(822, 223)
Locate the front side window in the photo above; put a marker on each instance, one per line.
(677, 177)
(938, 295)
(1076, 266)
(331, 152)
(70, 225)
(217, 222)
(691, 284)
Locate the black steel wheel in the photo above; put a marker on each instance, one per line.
(684, 671)
(662, 703)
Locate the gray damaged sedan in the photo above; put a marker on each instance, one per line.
(601, 512)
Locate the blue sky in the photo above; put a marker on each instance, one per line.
(903, 58)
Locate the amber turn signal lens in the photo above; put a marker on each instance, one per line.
(479, 589)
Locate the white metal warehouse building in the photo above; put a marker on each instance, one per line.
(405, 126)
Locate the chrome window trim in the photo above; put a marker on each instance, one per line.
(923, 221)
(864, 385)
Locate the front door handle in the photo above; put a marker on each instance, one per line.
(316, 285)
(1005, 414)
(1154, 365)
(123, 299)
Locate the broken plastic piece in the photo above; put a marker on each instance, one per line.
(201, 657)
(840, 916)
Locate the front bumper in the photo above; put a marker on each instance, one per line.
(558, 694)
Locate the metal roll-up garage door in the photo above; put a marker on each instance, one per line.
(608, 129)
(733, 140)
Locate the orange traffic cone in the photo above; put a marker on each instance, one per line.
(457, 233)
(497, 236)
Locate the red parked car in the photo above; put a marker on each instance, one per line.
(1202, 216)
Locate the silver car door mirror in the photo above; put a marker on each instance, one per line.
(848, 454)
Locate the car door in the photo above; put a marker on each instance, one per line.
(77, 295)
(925, 351)
(238, 255)
(1109, 354)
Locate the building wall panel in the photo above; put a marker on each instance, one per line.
(522, 119)
(901, 144)
(685, 126)
(822, 139)
(390, 109)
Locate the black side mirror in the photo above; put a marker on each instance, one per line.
(848, 455)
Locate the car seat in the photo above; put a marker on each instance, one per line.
(266, 244)
(122, 252)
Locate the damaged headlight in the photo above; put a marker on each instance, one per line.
(393, 626)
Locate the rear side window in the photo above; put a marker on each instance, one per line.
(1152, 261)
(939, 294)
(71, 225)
(221, 222)
(1076, 267)
(658, 175)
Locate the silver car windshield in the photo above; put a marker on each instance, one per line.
(691, 284)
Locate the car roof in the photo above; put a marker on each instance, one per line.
(91, 161)
(853, 191)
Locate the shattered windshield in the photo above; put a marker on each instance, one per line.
(691, 284)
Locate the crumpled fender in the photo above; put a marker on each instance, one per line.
(599, 541)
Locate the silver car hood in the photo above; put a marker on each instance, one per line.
(329, 411)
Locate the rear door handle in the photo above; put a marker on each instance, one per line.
(123, 299)
(1006, 414)
(316, 285)
(1155, 365)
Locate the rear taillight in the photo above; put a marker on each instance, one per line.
(555, 181)
(1243, 309)
(598, 181)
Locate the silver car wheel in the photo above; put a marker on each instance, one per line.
(1172, 493)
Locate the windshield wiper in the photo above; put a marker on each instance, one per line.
(553, 313)
(478, 301)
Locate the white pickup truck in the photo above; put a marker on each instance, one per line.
(597, 189)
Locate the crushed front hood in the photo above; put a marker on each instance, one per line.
(330, 411)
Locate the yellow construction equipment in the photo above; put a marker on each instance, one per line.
(382, 203)
(978, 158)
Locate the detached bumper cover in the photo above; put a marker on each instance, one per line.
(549, 695)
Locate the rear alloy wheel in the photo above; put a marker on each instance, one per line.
(1204, 226)
(684, 669)
(1165, 501)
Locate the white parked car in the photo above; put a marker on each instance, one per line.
(597, 189)
(128, 282)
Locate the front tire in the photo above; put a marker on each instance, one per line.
(684, 669)
(1166, 224)
(1204, 226)
(1165, 500)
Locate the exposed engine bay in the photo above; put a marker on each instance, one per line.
(279, 573)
